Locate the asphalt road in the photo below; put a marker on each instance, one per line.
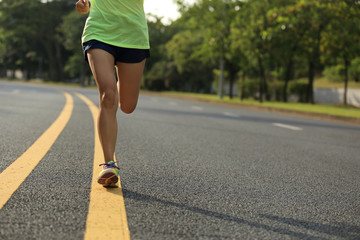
(189, 170)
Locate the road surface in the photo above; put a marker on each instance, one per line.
(189, 170)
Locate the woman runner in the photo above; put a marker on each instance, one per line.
(115, 34)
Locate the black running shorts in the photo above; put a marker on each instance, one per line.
(125, 55)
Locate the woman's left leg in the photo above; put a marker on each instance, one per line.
(129, 81)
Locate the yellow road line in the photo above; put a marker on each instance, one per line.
(107, 216)
(12, 177)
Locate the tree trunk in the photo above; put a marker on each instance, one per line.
(288, 73)
(89, 80)
(40, 71)
(82, 73)
(221, 77)
(4, 72)
(52, 60)
(232, 76)
(60, 66)
(242, 97)
(346, 63)
(27, 73)
(312, 67)
(310, 88)
(231, 87)
(262, 80)
(285, 91)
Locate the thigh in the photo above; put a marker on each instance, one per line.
(103, 69)
(129, 76)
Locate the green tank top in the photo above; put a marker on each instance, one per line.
(120, 23)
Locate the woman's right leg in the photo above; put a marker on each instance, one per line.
(102, 67)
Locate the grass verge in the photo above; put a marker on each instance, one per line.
(326, 83)
(330, 110)
(320, 109)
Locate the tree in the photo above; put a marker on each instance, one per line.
(33, 34)
(185, 50)
(288, 28)
(213, 19)
(160, 71)
(341, 38)
(253, 37)
(72, 27)
(316, 18)
(2, 52)
(308, 19)
(16, 38)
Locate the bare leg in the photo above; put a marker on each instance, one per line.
(130, 76)
(102, 67)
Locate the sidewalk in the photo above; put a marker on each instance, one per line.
(336, 95)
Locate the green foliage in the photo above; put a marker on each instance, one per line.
(160, 72)
(265, 44)
(33, 35)
(355, 69)
(2, 47)
(299, 90)
(72, 26)
(334, 73)
(247, 88)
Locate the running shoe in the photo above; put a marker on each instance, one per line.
(109, 176)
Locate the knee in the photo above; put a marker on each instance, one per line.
(128, 109)
(108, 99)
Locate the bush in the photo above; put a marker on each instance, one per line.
(354, 70)
(248, 88)
(334, 73)
(299, 89)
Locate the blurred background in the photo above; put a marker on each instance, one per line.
(265, 50)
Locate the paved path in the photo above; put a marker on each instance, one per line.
(188, 171)
(336, 95)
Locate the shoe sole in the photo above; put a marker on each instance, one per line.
(108, 179)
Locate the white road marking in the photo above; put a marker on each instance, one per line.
(287, 126)
(173, 103)
(230, 114)
(197, 108)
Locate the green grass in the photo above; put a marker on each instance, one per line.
(333, 110)
(325, 83)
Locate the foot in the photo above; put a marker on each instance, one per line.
(109, 176)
